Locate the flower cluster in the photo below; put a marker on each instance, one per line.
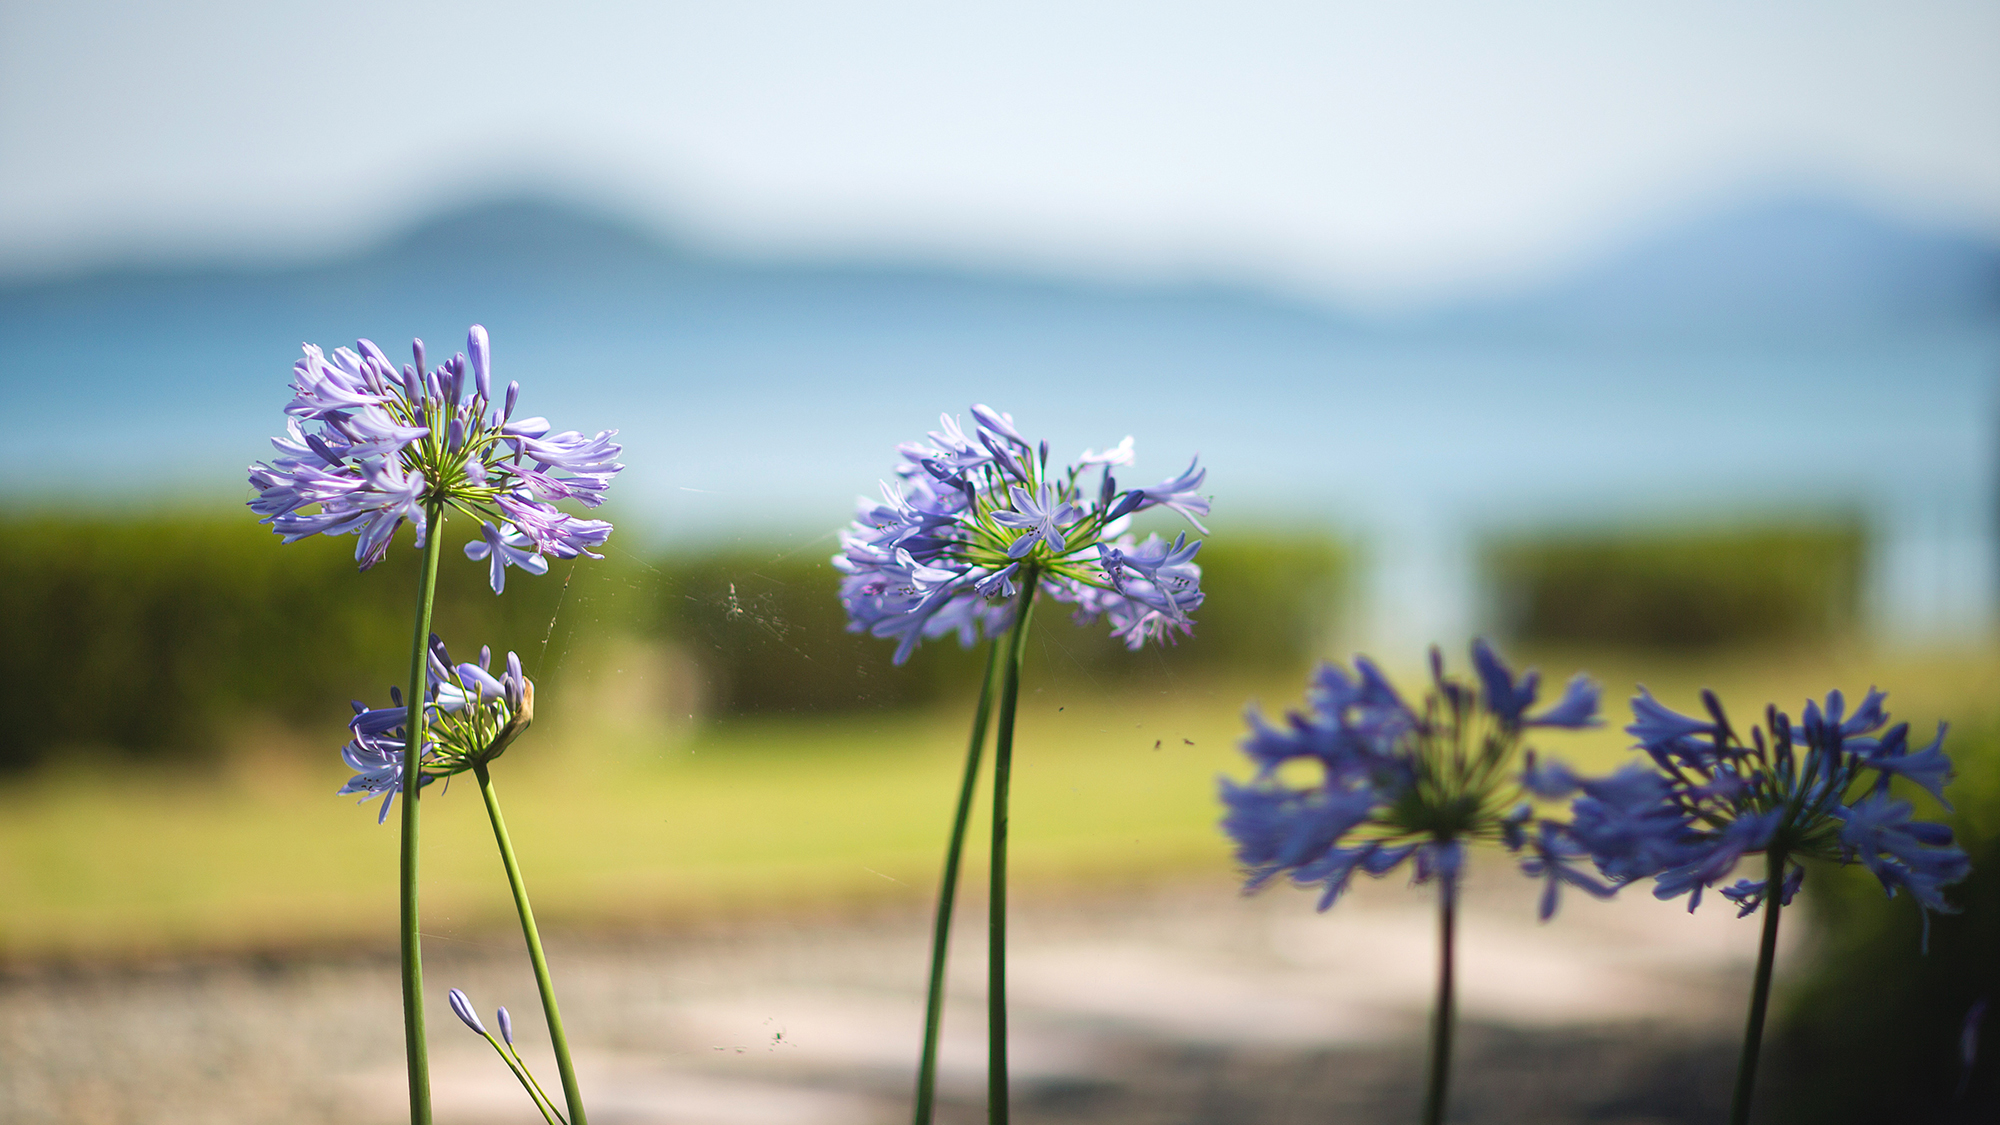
(973, 516)
(368, 447)
(1394, 784)
(471, 716)
(1818, 789)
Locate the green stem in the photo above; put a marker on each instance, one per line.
(1760, 992)
(996, 922)
(528, 1083)
(948, 893)
(557, 1040)
(1446, 1015)
(415, 1048)
(536, 1090)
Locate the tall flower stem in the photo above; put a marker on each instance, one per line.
(557, 1039)
(996, 933)
(948, 893)
(1760, 992)
(528, 1083)
(416, 1050)
(1442, 1021)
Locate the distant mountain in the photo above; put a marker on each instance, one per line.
(529, 230)
(1777, 266)
(779, 383)
(1782, 266)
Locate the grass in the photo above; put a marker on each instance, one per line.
(638, 825)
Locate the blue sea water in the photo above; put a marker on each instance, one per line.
(1797, 355)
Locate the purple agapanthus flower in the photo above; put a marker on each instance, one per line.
(974, 513)
(368, 448)
(1398, 784)
(375, 752)
(472, 713)
(1816, 789)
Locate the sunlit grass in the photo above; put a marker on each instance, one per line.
(638, 825)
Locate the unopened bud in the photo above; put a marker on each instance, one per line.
(480, 348)
(462, 1007)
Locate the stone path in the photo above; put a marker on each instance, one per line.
(1186, 1005)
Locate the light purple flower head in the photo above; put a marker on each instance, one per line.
(368, 448)
(973, 513)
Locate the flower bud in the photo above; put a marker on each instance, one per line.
(506, 1026)
(480, 349)
(462, 1007)
(481, 681)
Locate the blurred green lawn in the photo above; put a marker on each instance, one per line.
(642, 826)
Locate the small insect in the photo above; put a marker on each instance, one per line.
(1187, 742)
(1156, 743)
(732, 608)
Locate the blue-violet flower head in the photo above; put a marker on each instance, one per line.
(472, 713)
(1386, 782)
(974, 513)
(1816, 789)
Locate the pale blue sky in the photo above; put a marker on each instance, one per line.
(1370, 151)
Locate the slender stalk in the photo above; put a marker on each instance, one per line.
(416, 1050)
(996, 923)
(1760, 992)
(1446, 1015)
(548, 1111)
(948, 892)
(571, 1094)
(535, 1088)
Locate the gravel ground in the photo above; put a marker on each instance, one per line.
(1187, 1006)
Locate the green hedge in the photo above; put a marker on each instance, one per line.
(150, 637)
(770, 635)
(1691, 588)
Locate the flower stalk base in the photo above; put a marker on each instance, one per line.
(1438, 1086)
(996, 941)
(416, 1049)
(948, 895)
(572, 1095)
(1760, 996)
